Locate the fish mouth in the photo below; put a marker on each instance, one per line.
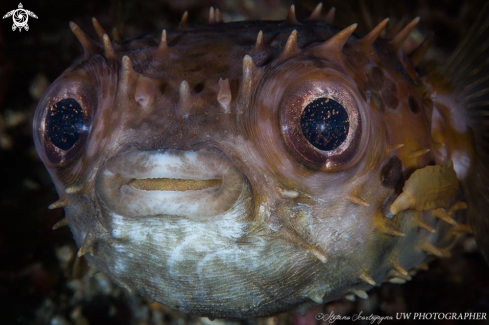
(192, 184)
(174, 184)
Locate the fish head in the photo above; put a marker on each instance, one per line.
(266, 174)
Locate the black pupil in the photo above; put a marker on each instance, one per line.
(325, 124)
(64, 123)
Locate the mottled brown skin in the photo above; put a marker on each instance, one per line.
(313, 240)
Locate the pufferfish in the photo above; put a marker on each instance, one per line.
(243, 169)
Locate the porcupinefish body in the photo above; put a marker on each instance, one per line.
(244, 169)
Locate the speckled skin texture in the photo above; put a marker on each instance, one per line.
(304, 227)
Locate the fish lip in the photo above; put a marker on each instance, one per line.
(190, 183)
(144, 164)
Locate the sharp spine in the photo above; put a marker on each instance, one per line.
(260, 43)
(398, 268)
(58, 204)
(350, 297)
(128, 288)
(126, 72)
(403, 202)
(163, 46)
(212, 16)
(372, 36)
(399, 39)
(74, 189)
(361, 294)
(87, 44)
(291, 18)
(316, 13)
(461, 229)
(418, 217)
(329, 19)
(393, 147)
(365, 277)
(418, 54)
(354, 198)
(109, 50)
(338, 41)
(397, 274)
(98, 29)
(288, 194)
(317, 298)
(392, 231)
(320, 256)
(418, 153)
(425, 226)
(431, 249)
(88, 246)
(457, 206)
(302, 242)
(442, 215)
(397, 280)
(82, 251)
(184, 102)
(224, 95)
(249, 72)
(291, 48)
(183, 21)
(62, 223)
(248, 68)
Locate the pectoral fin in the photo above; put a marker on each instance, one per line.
(460, 95)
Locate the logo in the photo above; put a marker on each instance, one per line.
(20, 17)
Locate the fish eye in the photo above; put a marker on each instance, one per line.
(322, 125)
(325, 123)
(64, 123)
